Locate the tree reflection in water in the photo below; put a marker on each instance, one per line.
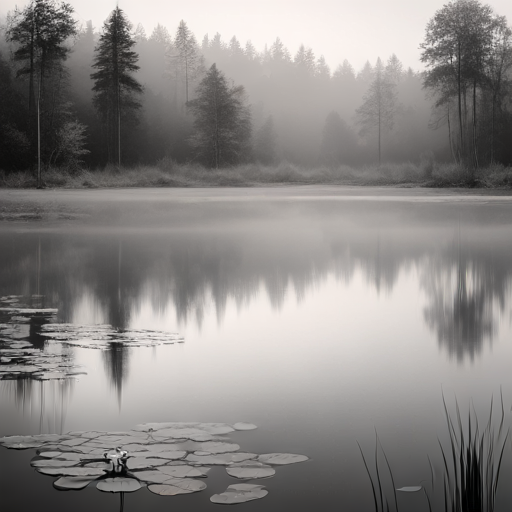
(191, 270)
(466, 291)
(116, 363)
(48, 400)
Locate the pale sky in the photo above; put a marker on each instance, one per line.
(356, 30)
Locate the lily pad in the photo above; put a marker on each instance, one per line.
(151, 477)
(413, 488)
(29, 311)
(49, 455)
(282, 458)
(18, 357)
(66, 456)
(222, 459)
(118, 484)
(215, 448)
(182, 471)
(66, 483)
(53, 463)
(171, 455)
(73, 471)
(100, 336)
(217, 428)
(23, 446)
(239, 493)
(176, 486)
(244, 426)
(250, 470)
(143, 463)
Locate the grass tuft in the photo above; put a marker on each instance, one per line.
(168, 173)
(472, 472)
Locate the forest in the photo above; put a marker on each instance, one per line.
(76, 97)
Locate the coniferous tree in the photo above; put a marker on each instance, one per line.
(187, 55)
(114, 85)
(222, 121)
(305, 61)
(379, 106)
(39, 32)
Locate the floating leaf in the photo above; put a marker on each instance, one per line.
(239, 493)
(73, 442)
(182, 471)
(185, 433)
(72, 471)
(66, 483)
(413, 488)
(101, 336)
(67, 455)
(29, 311)
(250, 469)
(22, 446)
(147, 427)
(244, 426)
(215, 448)
(281, 458)
(222, 459)
(118, 484)
(176, 486)
(172, 455)
(217, 428)
(53, 463)
(143, 463)
(49, 455)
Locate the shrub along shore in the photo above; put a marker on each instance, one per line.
(170, 174)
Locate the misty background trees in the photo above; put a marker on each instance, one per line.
(222, 121)
(114, 85)
(150, 98)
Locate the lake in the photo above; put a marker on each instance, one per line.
(321, 315)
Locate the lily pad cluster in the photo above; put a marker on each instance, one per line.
(103, 336)
(167, 458)
(18, 356)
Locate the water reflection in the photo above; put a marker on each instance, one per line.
(466, 292)
(46, 400)
(116, 363)
(465, 281)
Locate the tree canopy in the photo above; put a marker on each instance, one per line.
(222, 121)
(114, 83)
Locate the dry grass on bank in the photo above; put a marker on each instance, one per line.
(170, 174)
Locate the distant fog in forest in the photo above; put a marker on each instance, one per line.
(297, 108)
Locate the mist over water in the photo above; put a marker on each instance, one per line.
(316, 317)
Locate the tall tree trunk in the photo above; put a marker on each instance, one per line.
(459, 95)
(31, 93)
(379, 134)
(493, 120)
(118, 123)
(450, 133)
(186, 83)
(39, 184)
(217, 136)
(475, 149)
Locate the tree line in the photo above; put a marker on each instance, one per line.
(74, 96)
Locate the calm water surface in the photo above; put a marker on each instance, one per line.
(318, 318)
